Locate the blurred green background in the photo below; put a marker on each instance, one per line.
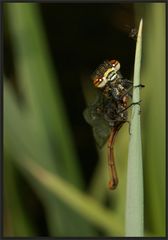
(55, 179)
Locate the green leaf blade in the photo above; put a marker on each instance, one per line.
(134, 200)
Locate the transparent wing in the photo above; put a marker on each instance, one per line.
(94, 116)
(94, 112)
(101, 135)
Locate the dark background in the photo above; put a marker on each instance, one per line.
(80, 38)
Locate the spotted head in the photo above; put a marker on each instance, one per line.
(106, 72)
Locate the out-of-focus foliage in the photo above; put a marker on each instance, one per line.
(37, 128)
(153, 115)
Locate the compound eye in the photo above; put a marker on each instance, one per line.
(115, 64)
(99, 82)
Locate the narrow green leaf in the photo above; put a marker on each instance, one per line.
(80, 202)
(134, 225)
(154, 115)
(17, 222)
(39, 84)
(41, 126)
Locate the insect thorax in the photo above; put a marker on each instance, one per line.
(113, 104)
(113, 111)
(114, 88)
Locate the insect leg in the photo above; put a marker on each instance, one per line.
(139, 85)
(130, 106)
(128, 91)
(128, 81)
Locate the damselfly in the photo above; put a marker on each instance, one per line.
(109, 111)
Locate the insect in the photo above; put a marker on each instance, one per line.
(133, 32)
(109, 111)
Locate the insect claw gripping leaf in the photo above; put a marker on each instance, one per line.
(139, 85)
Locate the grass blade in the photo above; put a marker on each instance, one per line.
(154, 116)
(80, 202)
(16, 219)
(44, 131)
(134, 198)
